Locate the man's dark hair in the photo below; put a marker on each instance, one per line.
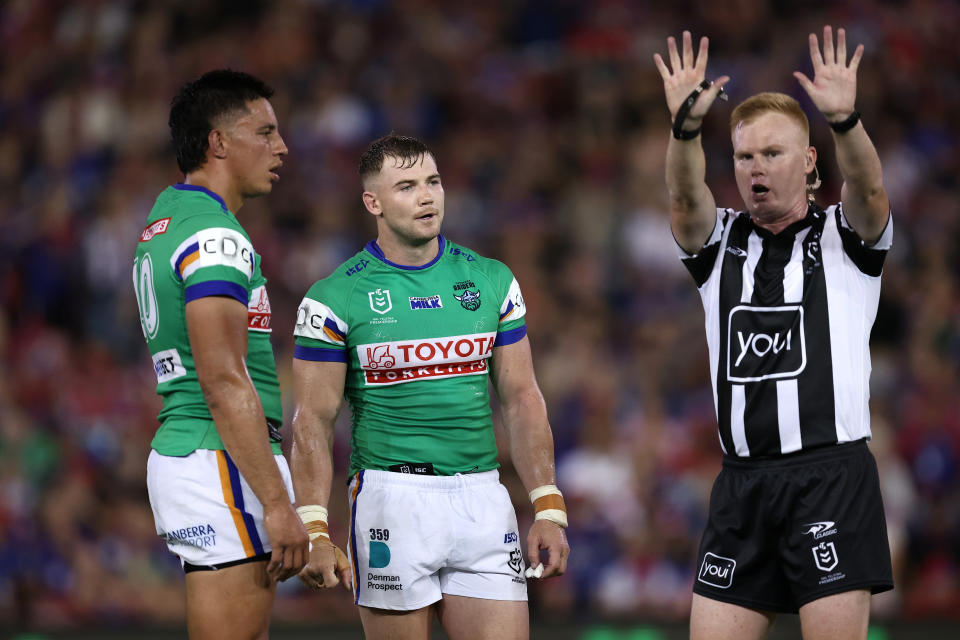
(407, 149)
(201, 102)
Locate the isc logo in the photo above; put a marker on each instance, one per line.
(717, 571)
(765, 343)
(510, 537)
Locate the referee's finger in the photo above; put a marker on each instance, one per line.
(661, 66)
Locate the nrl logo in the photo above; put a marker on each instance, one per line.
(469, 300)
(825, 556)
(516, 560)
(380, 300)
(820, 529)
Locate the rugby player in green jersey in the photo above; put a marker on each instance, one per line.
(219, 487)
(411, 330)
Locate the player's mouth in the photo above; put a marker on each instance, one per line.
(428, 215)
(274, 176)
(759, 191)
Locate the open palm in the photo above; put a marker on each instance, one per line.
(834, 86)
(686, 74)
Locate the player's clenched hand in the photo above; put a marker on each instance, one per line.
(548, 535)
(288, 538)
(685, 75)
(327, 566)
(834, 85)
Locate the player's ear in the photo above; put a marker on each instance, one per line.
(372, 203)
(218, 147)
(811, 159)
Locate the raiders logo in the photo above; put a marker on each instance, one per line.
(469, 300)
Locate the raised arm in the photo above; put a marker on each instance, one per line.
(692, 207)
(530, 442)
(834, 91)
(218, 339)
(318, 392)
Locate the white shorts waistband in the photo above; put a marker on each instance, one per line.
(439, 484)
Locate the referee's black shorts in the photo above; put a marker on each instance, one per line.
(784, 532)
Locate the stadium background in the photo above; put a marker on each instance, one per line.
(549, 125)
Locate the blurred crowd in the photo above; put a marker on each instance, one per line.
(549, 125)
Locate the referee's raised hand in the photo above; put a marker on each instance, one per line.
(834, 86)
(684, 78)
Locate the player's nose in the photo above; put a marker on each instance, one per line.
(280, 148)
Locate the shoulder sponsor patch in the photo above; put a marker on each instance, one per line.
(168, 366)
(216, 246)
(513, 306)
(317, 321)
(155, 229)
(258, 310)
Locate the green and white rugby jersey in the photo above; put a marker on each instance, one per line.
(417, 341)
(194, 247)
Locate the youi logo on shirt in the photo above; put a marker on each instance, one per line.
(765, 343)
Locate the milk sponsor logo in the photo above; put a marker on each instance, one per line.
(429, 302)
(258, 310)
(402, 361)
(717, 571)
(765, 343)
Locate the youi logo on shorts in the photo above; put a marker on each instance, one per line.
(717, 571)
(765, 343)
(820, 529)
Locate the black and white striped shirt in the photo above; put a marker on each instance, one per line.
(788, 319)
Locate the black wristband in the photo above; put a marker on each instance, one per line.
(684, 110)
(684, 134)
(845, 125)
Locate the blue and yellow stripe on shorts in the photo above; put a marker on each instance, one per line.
(233, 497)
(353, 536)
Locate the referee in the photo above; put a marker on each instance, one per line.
(790, 293)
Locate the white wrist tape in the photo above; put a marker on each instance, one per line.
(548, 504)
(314, 518)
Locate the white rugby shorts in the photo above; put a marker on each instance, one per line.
(204, 508)
(414, 538)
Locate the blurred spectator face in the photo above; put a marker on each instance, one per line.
(771, 160)
(407, 200)
(253, 148)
